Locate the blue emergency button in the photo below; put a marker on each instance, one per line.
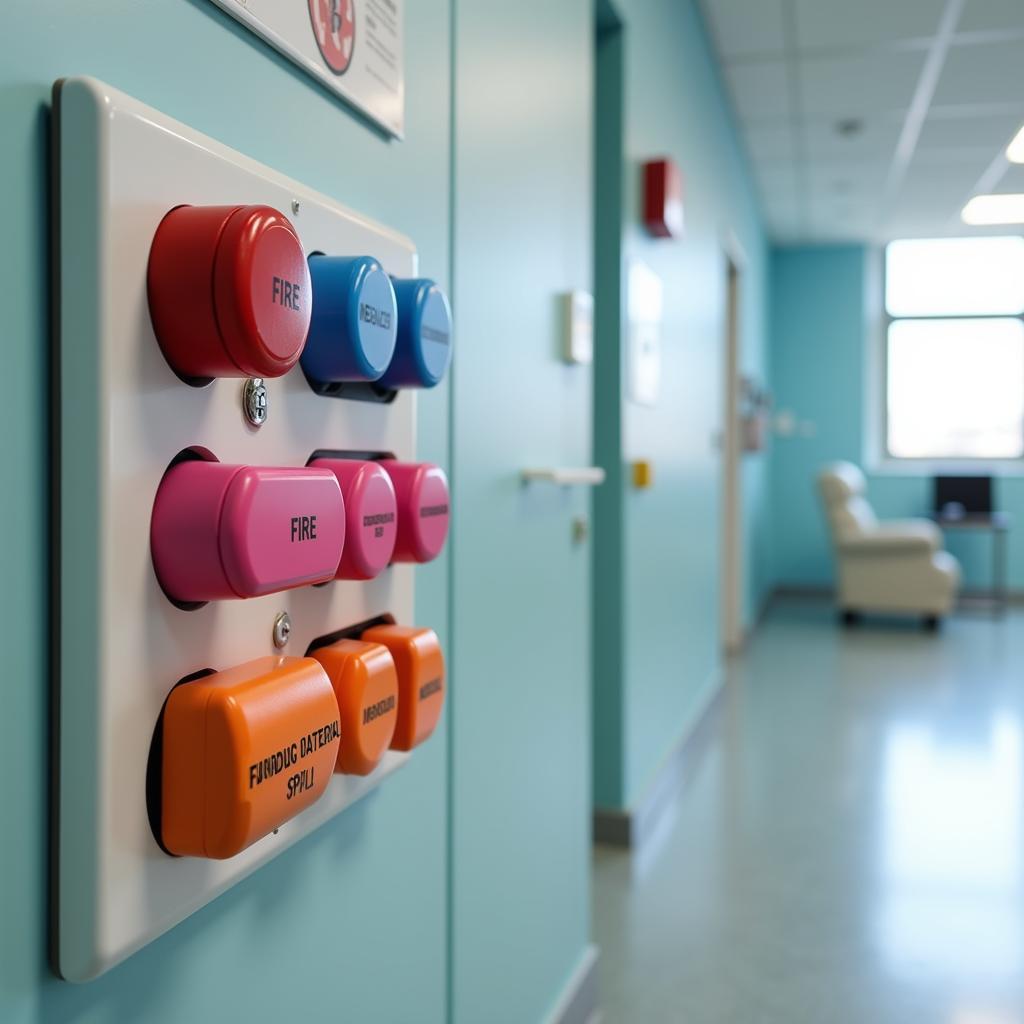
(424, 345)
(352, 329)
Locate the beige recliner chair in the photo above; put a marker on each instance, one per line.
(896, 566)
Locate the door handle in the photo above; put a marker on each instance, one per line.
(577, 476)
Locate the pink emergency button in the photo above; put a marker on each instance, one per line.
(371, 514)
(221, 531)
(422, 492)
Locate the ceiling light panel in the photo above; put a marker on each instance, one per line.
(1015, 150)
(1007, 208)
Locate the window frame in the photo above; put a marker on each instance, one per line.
(928, 463)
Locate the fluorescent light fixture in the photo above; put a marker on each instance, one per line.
(995, 209)
(1015, 150)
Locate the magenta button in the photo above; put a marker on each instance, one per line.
(370, 515)
(422, 492)
(241, 531)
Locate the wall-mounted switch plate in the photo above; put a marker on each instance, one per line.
(122, 417)
(578, 314)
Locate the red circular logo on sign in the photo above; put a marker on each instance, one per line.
(334, 26)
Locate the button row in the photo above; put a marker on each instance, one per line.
(223, 531)
(231, 294)
(247, 749)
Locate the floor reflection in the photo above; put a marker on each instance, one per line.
(950, 850)
(850, 846)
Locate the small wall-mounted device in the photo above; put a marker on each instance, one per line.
(663, 198)
(755, 406)
(578, 326)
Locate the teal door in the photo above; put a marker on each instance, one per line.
(521, 579)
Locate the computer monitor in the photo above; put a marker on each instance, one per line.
(959, 496)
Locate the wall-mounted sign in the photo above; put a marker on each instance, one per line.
(354, 47)
(644, 340)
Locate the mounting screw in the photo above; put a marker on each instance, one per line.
(282, 629)
(580, 529)
(254, 401)
(295, 206)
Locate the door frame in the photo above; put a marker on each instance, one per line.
(732, 561)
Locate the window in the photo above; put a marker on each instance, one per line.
(955, 348)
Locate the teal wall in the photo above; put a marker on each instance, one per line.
(821, 326)
(817, 369)
(282, 945)
(520, 584)
(483, 841)
(657, 646)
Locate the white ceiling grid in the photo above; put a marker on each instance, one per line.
(873, 119)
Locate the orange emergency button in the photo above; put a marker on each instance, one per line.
(244, 751)
(366, 686)
(420, 666)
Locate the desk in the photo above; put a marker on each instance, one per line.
(996, 523)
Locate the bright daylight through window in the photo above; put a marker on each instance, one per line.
(955, 348)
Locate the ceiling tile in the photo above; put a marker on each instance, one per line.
(838, 191)
(777, 180)
(845, 183)
(931, 196)
(926, 173)
(841, 208)
(934, 192)
(992, 14)
(833, 220)
(741, 28)
(840, 23)
(770, 142)
(877, 138)
(759, 90)
(993, 132)
(1012, 180)
(911, 225)
(977, 157)
(982, 73)
(1009, 108)
(858, 86)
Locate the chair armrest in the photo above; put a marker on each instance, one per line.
(920, 527)
(906, 536)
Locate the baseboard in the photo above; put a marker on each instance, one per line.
(818, 591)
(762, 611)
(751, 628)
(578, 1002)
(823, 592)
(631, 827)
(982, 596)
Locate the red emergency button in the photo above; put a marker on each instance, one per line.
(229, 291)
(221, 531)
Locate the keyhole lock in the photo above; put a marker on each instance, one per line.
(580, 529)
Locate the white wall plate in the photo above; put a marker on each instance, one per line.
(119, 644)
(578, 327)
